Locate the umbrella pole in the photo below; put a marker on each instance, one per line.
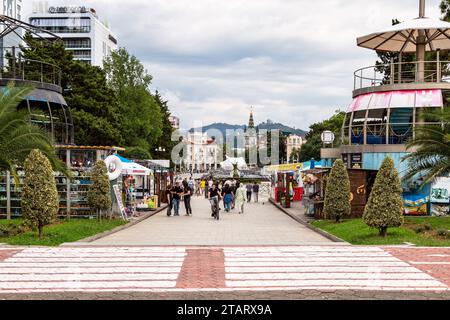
(421, 43)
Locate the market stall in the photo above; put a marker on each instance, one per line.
(134, 181)
(315, 180)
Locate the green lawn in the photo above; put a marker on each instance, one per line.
(355, 231)
(64, 231)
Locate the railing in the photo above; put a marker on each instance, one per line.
(23, 69)
(402, 73)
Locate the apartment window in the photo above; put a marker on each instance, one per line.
(74, 43)
(63, 25)
(82, 54)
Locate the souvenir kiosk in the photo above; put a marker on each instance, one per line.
(315, 182)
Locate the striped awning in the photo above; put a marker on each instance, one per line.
(397, 99)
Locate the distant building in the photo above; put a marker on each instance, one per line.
(90, 40)
(294, 142)
(202, 152)
(251, 135)
(175, 122)
(13, 9)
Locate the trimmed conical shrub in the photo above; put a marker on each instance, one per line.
(337, 193)
(99, 194)
(40, 201)
(385, 206)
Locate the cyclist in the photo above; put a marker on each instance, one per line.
(214, 197)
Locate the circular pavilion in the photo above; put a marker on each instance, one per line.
(390, 100)
(45, 104)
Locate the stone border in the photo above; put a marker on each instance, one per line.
(308, 225)
(117, 229)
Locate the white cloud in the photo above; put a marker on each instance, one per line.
(291, 59)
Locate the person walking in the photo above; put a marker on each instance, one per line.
(256, 192)
(169, 199)
(198, 188)
(228, 197)
(187, 193)
(203, 188)
(240, 196)
(249, 188)
(214, 197)
(177, 192)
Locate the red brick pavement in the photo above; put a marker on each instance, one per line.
(202, 268)
(438, 260)
(5, 254)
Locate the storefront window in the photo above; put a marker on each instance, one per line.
(82, 158)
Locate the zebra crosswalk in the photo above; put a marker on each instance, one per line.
(92, 269)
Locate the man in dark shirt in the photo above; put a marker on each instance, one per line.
(256, 191)
(177, 191)
(249, 192)
(213, 196)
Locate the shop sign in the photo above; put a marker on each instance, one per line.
(67, 10)
(285, 167)
(118, 195)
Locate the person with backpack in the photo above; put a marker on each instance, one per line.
(187, 193)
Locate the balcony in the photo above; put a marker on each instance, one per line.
(36, 72)
(402, 76)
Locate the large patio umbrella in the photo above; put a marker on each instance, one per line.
(405, 37)
(417, 35)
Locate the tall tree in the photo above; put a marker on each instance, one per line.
(165, 141)
(141, 124)
(311, 149)
(40, 201)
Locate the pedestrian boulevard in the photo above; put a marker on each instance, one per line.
(259, 225)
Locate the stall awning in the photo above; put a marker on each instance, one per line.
(132, 168)
(398, 99)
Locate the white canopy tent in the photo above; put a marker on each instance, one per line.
(229, 162)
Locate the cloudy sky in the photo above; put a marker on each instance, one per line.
(293, 60)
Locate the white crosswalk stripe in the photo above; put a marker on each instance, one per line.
(68, 269)
(296, 268)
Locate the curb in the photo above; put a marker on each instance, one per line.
(308, 225)
(115, 230)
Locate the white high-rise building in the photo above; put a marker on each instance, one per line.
(13, 9)
(89, 39)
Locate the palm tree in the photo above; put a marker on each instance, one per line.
(18, 137)
(431, 157)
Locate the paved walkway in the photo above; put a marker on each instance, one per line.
(286, 271)
(260, 225)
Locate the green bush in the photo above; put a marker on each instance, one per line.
(385, 206)
(99, 194)
(337, 193)
(442, 232)
(40, 202)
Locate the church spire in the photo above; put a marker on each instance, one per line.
(251, 122)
